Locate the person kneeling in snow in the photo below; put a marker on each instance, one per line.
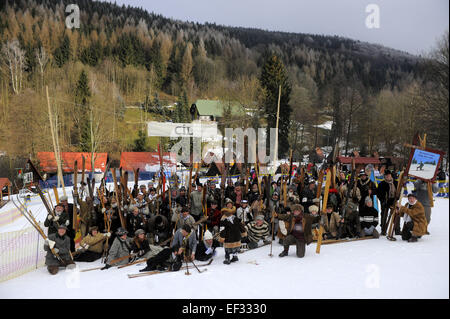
(330, 221)
(141, 246)
(120, 248)
(91, 246)
(231, 231)
(258, 230)
(415, 223)
(368, 217)
(300, 232)
(59, 242)
(206, 249)
(183, 247)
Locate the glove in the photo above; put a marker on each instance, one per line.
(108, 234)
(86, 246)
(56, 250)
(103, 210)
(49, 243)
(209, 251)
(141, 253)
(67, 222)
(56, 218)
(50, 217)
(107, 266)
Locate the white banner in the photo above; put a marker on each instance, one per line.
(181, 129)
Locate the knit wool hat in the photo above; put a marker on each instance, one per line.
(368, 199)
(138, 232)
(259, 217)
(207, 235)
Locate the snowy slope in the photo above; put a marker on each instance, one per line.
(362, 269)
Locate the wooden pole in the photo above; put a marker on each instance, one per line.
(275, 155)
(55, 150)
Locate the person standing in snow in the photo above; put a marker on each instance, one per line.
(244, 213)
(231, 232)
(68, 208)
(386, 194)
(61, 218)
(421, 188)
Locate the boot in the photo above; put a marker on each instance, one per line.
(53, 269)
(375, 234)
(227, 261)
(148, 268)
(284, 253)
(413, 239)
(235, 258)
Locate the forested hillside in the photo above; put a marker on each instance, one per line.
(376, 97)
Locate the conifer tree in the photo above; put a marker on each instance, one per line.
(272, 76)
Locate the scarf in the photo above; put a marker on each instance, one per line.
(391, 188)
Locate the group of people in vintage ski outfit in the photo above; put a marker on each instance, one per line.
(185, 224)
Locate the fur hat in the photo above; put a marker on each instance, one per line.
(297, 207)
(313, 208)
(207, 235)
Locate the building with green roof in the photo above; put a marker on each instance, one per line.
(213, 110)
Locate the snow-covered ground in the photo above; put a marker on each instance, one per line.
(361, 269)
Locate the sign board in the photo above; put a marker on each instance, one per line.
(424, 163)
(175, 130)
(28, 177)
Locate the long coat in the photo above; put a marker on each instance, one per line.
(119, 248)
(95, 242)
(417, 214)
(63, 245)
(331, 226)
(231, 230)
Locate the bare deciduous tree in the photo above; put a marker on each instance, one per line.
(14, 58)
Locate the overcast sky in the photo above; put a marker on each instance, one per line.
(408, 25)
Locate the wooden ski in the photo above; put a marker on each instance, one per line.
(116, 190)
(149, 273)
(324, 208)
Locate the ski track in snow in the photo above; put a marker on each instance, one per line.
(375, 268)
